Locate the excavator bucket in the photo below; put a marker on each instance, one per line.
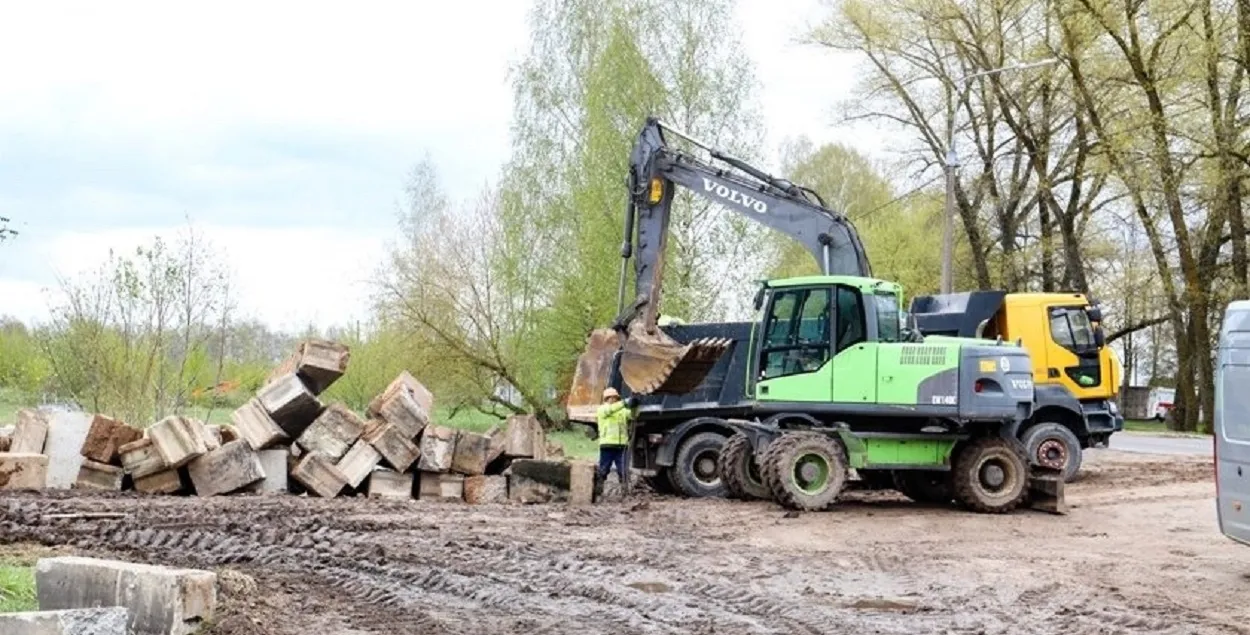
(650, 363)
(657, 363)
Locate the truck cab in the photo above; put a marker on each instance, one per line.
(1076, 376)
(1232, 423)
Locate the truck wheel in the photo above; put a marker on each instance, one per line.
(739, 471)
(695, 472)
(1053, 445)
(925, 486)
(991, 475)
(804, 470)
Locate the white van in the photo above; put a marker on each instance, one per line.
(1232, 423)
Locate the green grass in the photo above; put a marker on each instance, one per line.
(1144, 425)
(574, 441)
(17, 589)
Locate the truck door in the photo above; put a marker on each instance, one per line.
(1073, 358)
(1232, 423)
(796, 346)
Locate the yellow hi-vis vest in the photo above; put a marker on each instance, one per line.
(613, 420)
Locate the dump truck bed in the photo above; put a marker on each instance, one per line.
(721, 393)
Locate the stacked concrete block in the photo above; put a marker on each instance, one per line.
(290, 404)
(105, 439)
(23, 470)
(230, 467)
(30, 433)
(385, 483)
(140, 458)
(440, 486)
(256, 426)
(333, 432)
(395, 447)
(438, 448)
(179, 440)
(99, 476)
(482, 490)
(320, 475)
(318, 363)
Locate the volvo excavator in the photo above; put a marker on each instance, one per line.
(826, 380)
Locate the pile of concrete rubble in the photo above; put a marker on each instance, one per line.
(286, 440)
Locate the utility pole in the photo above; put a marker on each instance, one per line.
(952, 162)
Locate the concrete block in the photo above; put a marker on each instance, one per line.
(99, 476)
(23, 471)
(438, 448)
(140, 458)
(274, 463)
(317, 362)
(358, 462)
(233, 466)
(388, 484)
(319, 474)
(92, 621)
(333, 432)
(481, 490)
(158, 600)
(440, 486)
(6, 438)
(471, 455)
(106, 437)
(179, 440)
(168, 481)
(526, 490)
(66, 433)
(256, 426)
(392, 444)
(406, 384)
(582, 482)
(523, 437)
(30, 433)
(498, 436)
(290, 404)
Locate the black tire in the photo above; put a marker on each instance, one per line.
(1052, 444)
(991, 475)
(739, 470)
(925, 486)
(695, 473)
(804, 470)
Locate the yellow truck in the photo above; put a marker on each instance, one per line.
(1076, 376)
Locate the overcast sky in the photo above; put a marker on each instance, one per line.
(285, 130)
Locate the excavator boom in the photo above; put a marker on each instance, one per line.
(650, 360)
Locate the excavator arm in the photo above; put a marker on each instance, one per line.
(651, 361)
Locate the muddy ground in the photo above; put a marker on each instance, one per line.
(1138, 553)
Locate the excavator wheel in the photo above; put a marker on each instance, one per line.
(739, 470)
(991, 474)
(805, 470)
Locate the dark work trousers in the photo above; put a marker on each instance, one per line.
(609, 455)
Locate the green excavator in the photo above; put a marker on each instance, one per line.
(826, 382)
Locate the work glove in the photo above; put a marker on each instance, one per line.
(631, 402)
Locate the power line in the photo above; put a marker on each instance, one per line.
(912, 192)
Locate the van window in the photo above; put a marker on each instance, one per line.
(1235, 414)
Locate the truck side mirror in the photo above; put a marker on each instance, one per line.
(1100, 337)
(759, 298)
(1094, 313)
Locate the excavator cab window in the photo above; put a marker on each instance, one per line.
(797, 329)
(889, 317)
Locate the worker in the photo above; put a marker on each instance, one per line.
(613, 418)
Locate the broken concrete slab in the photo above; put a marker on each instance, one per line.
(30, 433)
(438, 448)
(212, 437)
(99, 476)
(317, 362)
(290, 404)
(140, 458)
(319, 474)
(385, 483)
(582, 482)
(168, 481)
(358, 462)
(538, 481)
(158, 599)
(233, 466)
(482, 490)
(405, 383)
(391, 442)
(440, 486)
(333, 432)
(179, 440)
(66, 433)
(498, 441)
(88, 621)
(256, 426)
(471, 455)
(23, 471)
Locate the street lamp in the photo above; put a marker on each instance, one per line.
(952, 162)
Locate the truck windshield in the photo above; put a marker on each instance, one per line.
(888, 317)
(1070, 327)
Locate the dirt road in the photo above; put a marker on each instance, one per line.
(1139, 553)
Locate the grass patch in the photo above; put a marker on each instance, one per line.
(17, 589)
(1144, 425)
